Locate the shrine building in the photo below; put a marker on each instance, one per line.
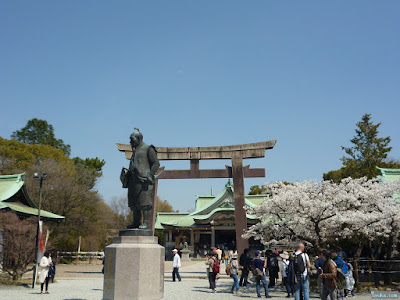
(212, 223)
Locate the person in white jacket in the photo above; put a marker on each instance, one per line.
(44, 272)
(176, 265)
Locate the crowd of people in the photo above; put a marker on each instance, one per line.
(334, 272)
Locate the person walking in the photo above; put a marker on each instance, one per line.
(176, 265)
(208, 256)
(259, 266)
(234, 275)
(301, 263)
(44, 272)
(349, 287)
(329, 275)
(244, 265)
(287, 280)
(212, 260)
(319, 265)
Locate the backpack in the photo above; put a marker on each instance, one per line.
(341, 279)
(228, 269)
(298, 261)
(274, 262)
(257, 272)
(216, 266)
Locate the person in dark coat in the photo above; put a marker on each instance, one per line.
(291, 273)
(245, 263)
(273, 268)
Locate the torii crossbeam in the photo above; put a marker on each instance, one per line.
(237, 172)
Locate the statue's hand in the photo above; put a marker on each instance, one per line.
(150, 178)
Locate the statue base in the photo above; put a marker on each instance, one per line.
(134, 267)
(185, 255)
(136, 232)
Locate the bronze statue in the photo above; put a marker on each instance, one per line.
(139, 180)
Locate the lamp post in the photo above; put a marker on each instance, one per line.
(40, 178)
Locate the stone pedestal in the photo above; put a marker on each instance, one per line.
(185, 255)
(134, 267)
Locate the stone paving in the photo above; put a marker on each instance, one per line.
(92, 289)
(78, 282)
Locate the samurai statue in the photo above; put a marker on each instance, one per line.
(139, 179)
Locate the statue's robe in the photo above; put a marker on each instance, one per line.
(144, 163)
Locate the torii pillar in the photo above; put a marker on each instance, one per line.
(237, 172)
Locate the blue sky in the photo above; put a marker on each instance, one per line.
(202, 73)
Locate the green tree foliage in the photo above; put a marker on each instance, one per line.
(255, 190)
(64, 193)
(367, 152)
(16, 157)
(88, 170)
(40, 132)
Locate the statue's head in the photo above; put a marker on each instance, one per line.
(136, 138)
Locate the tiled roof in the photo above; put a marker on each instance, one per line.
(206, 208)
(10, 185)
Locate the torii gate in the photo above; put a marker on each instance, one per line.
(237, 172)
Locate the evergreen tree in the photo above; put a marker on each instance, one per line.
(40, 132)
(367, 152)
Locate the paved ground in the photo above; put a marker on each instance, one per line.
(78, 282)
(92, 289)
(71, 271)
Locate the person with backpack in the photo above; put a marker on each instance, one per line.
(245, 263)
(329, 276)
(301, 264)
(286, 279)
(213, 263)
(259, 265)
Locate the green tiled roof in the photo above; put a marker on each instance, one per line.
(202, 201)
(10, 185)
(390, 175)
(206, 208)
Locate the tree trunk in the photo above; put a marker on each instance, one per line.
(356, 258)
(387, 276)
(374, 258)
(16, 276)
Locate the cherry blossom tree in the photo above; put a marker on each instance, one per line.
(322, 213)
